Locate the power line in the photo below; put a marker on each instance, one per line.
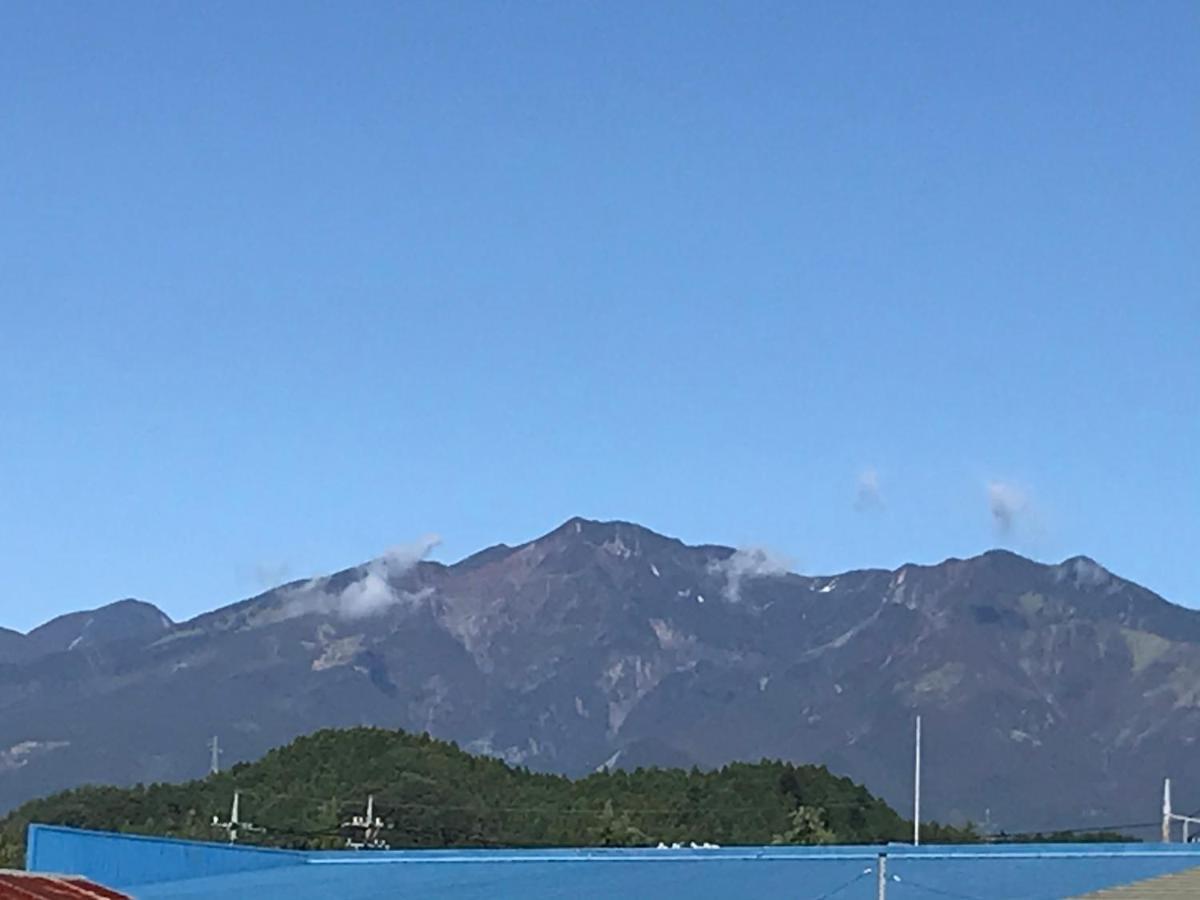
(939, 891)
(482, 812)
(484, 806)
(273, 799)
(837, 890)
(1084, 829)
(370, 826)
(234, 826)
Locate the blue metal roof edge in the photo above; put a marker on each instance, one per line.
(864, 852)
(124, 860)
(569, 854)
(36, 828)
(50, 847)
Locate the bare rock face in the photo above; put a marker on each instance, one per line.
(1051, 695)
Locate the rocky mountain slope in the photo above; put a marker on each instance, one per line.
(1052, 696)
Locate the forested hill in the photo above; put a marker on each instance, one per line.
(432, 794)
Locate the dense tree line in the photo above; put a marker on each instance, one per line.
(432, 794)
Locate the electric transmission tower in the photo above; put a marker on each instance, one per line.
(214, 765)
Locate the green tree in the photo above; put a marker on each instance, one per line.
(807, 826)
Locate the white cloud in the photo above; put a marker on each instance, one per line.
(1083, 572)
(868, 494)
(370, 594)
(270, 574)
(745, 563)
(1007, 503)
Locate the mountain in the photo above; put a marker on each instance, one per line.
(124, 620)
(1052, 695)
(432, 794)
(11, 643)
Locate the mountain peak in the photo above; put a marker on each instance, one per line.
(597, 531)
(1083, 571)
(116, 621)
(1002, 553)
(592, 527)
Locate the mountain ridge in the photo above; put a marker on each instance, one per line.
(606, 643)
(491, 552)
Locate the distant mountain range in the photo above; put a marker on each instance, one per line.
(1051, 695)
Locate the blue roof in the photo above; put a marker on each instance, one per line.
(156, 869)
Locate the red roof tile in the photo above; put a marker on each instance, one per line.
(16, 885)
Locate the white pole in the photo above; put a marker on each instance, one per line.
(881, 878)
(233, 818)
(1166, 811)
(917, 789)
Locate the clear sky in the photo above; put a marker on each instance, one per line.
(283, 284)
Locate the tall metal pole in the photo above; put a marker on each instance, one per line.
(881, 877)
(215, 764)
(235, 826)
(1166, 811)
(917, 788)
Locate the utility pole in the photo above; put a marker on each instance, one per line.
(881, 877)
(917, 788)
(370, 825)
(215, 765)
(235, 826)
(1169, 815)
(1166, 811)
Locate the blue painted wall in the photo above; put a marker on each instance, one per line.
(125, 859)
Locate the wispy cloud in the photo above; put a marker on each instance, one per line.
(372, 593)
(270, 574)
(745, 563)
(868, 494)
(1008, 504)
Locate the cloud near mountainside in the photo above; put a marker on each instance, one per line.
(269, 574)
(745, 563)
(369, 595)
(1007, 503)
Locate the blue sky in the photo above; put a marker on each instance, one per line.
(283, 284)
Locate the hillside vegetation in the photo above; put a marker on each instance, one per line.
(432, 794)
